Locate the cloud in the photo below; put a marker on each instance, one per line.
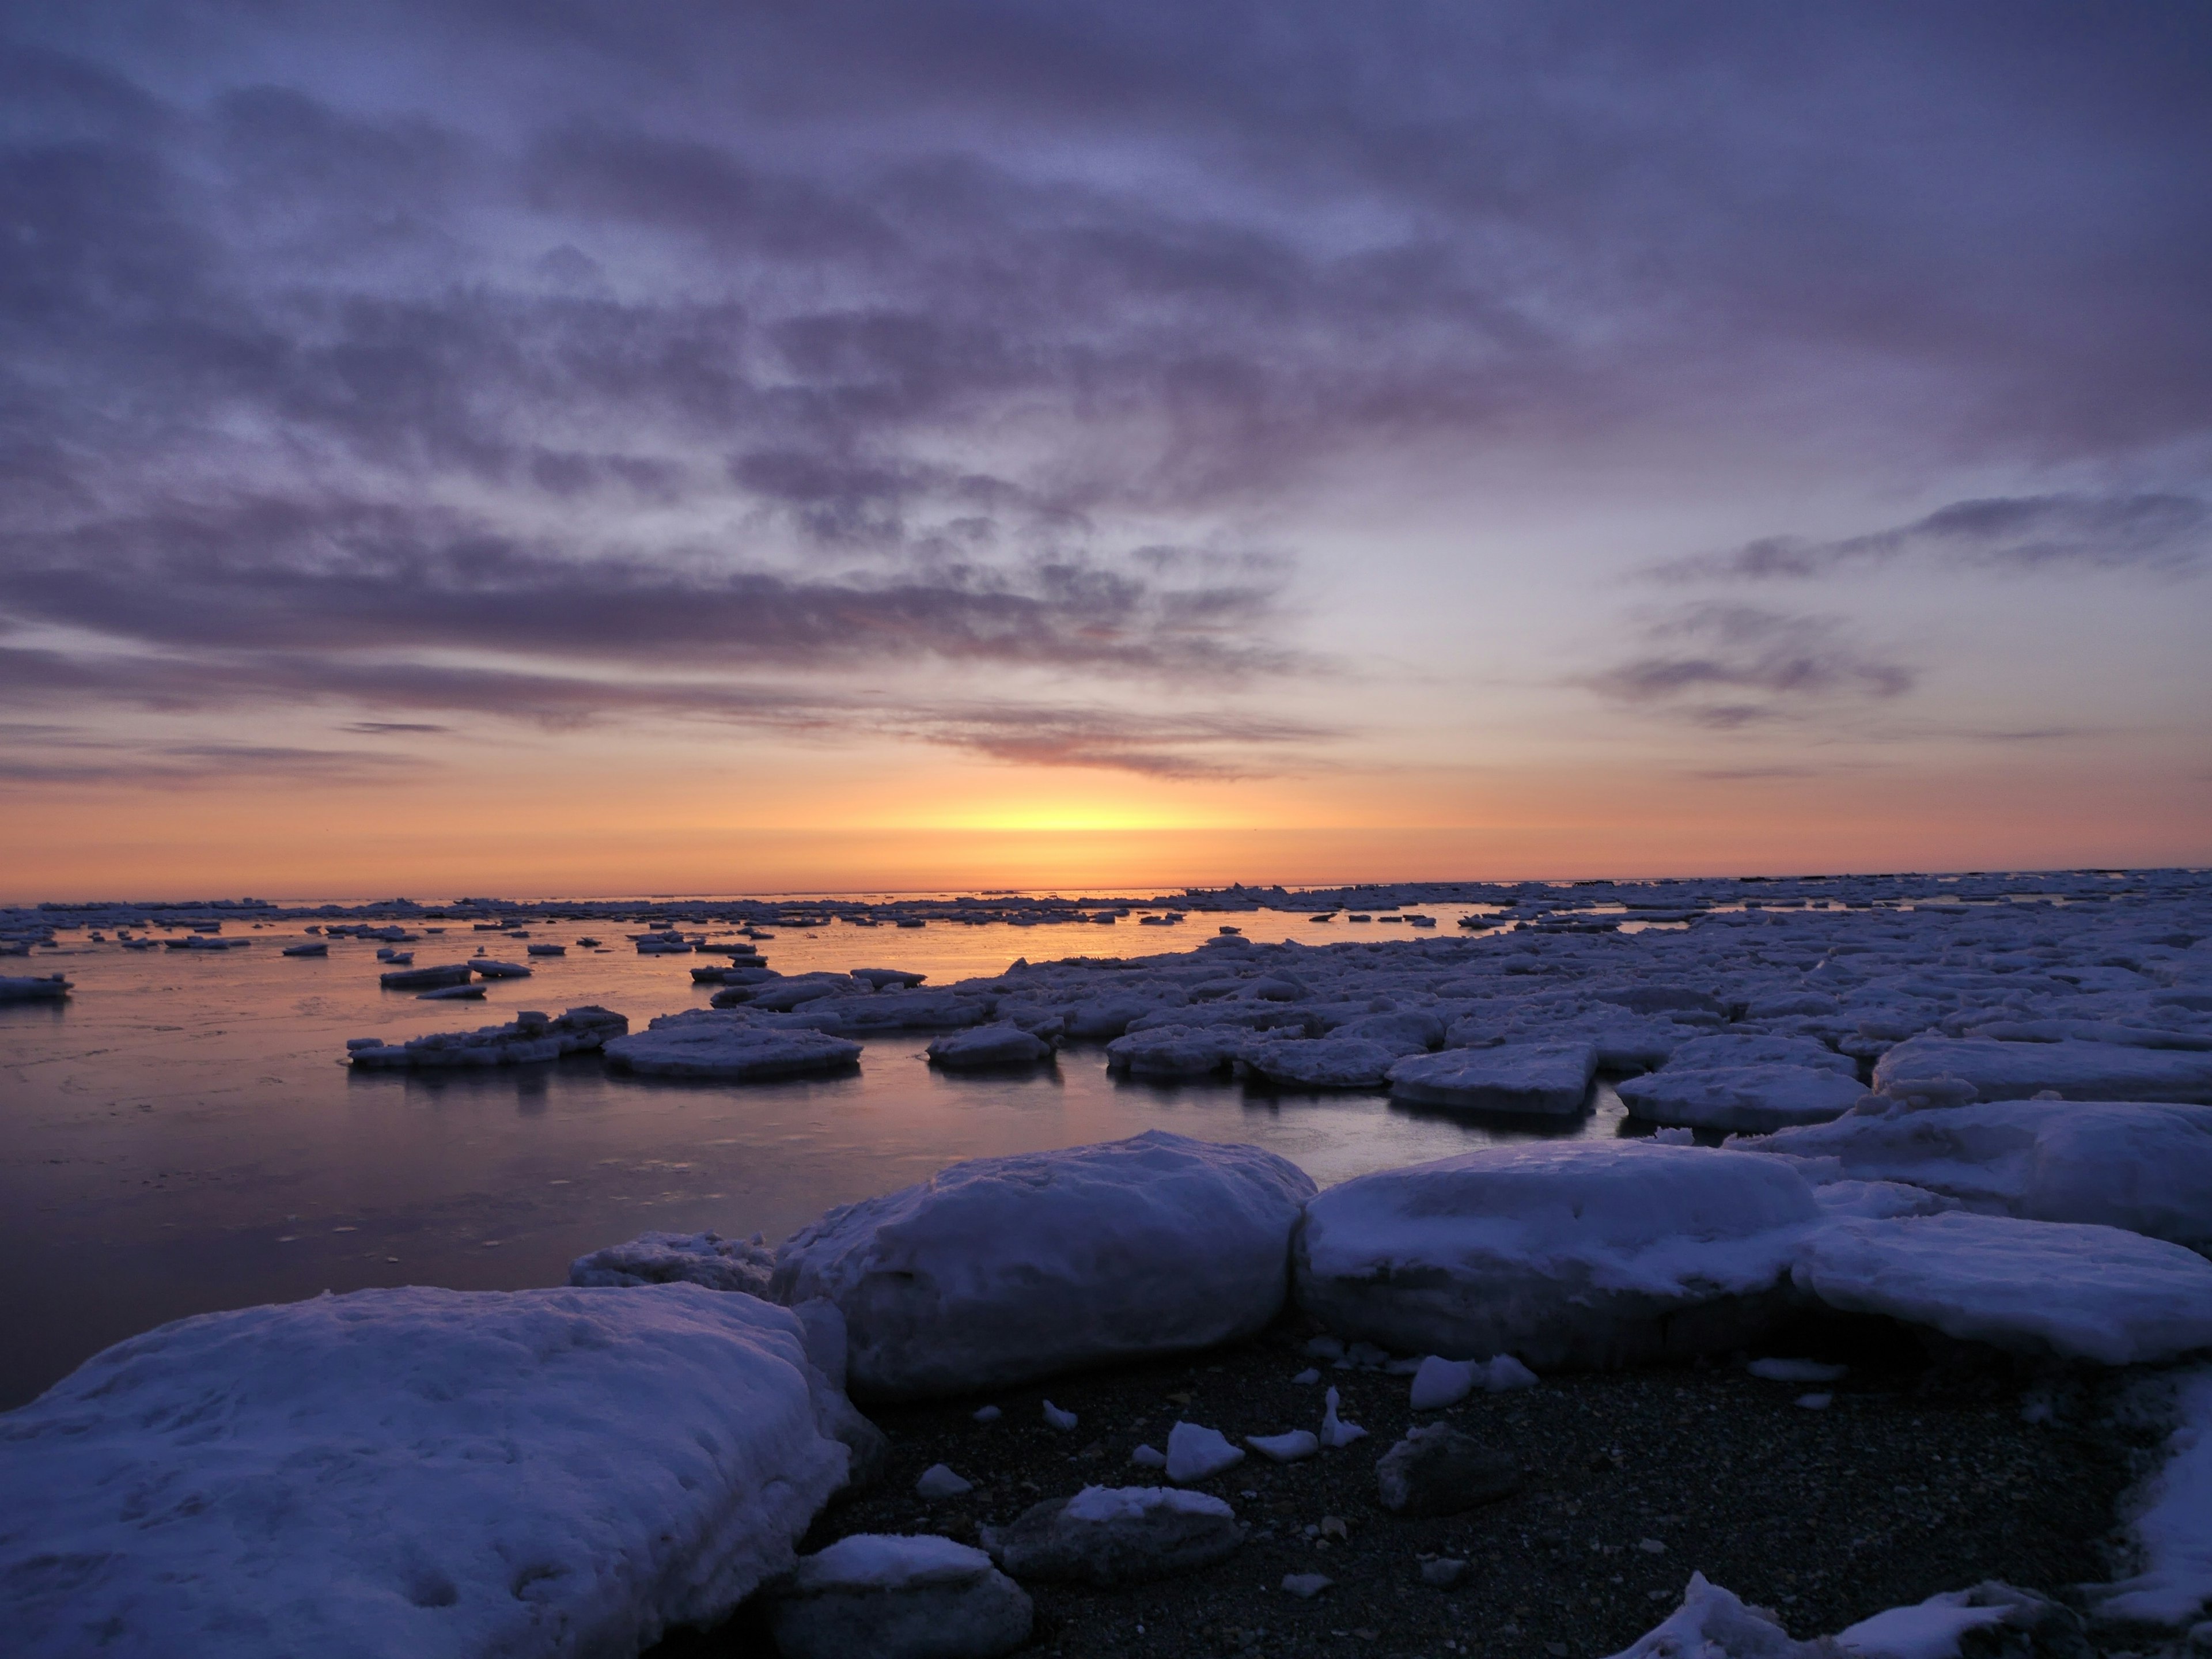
(32, 761)
(261, 572)
(2167, 534)
(1215, 743)
(1728, 666)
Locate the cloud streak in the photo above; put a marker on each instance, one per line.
(2161, 534)
(1728, 666)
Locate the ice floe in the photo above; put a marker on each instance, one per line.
(415, 1471)
(1587, 1254)
(1150, 1245)
(527, 1038)
(2034, 1287)
(1544, 1080)
(1753, 1098)
(713, 1045)
(2145, 1166)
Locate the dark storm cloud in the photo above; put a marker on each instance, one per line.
(2163, 533)
(1725, 666)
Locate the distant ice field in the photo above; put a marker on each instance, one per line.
(182, 1136)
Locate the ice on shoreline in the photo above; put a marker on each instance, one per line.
(1155, 1244)
(426, 1472)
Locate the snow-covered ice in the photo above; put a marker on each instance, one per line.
(729, 1048)
(708, 1259)
(1585, 1253)
(2145, 1166)
(1288, 1448)
(983, 1047)
(2072, 1069)
(2036, 1287)
(1108, 1536)
(2170, 1518)
(1439, 1382)
(414, 1471)
(1196, 1452)
(1542, 1080)
(895, 1597)
(1752, 1098)
(529, 1037)
(1005, 1269)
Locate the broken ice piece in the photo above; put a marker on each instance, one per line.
(987, 1413)
(1285, 1448)
(939, 1481)
(1057, 1418)
(1335, 1433)
(1195, 1452)
(1306, 1585)
(1149, 1457)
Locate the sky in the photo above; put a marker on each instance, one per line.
(567, 448)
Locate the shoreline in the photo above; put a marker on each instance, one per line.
(1922, 1476)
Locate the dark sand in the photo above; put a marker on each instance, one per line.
(1922, 1476)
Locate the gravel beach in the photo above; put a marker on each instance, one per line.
(1923, 1473)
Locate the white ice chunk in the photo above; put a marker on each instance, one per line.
(2143, 1166)
(938, 1480)
(1714, 1624)
(1335, 1433)
(2173, 1522)
(426, 1472)
(1751, 1099)
(1058, 1418)
(1543, 1080)
(2082, 1292)
(727, 1047)
(1285, 1448)
(1330, 1062)
(983, 1047)
(1927, 1629)
(1195, 1452)
(2020, 1071)
(1439, 1382)
(1006, 1270)
(1585, 1253)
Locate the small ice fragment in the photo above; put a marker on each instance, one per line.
(1057, 1418)
(1335, 1433)
(1195, 1452)
(1443, 1572)
(1324, 1347)
(1307, 1376)
(1795, 1370)
(1651, 1547)
(1506, 1374)
(1285, 1448)
(987, 1413)
(939, 1481)
(1306, 1585)
(1149, 1457)
(1440, 1383)
(1814, 1402)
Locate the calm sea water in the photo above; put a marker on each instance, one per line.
(182, 1135)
